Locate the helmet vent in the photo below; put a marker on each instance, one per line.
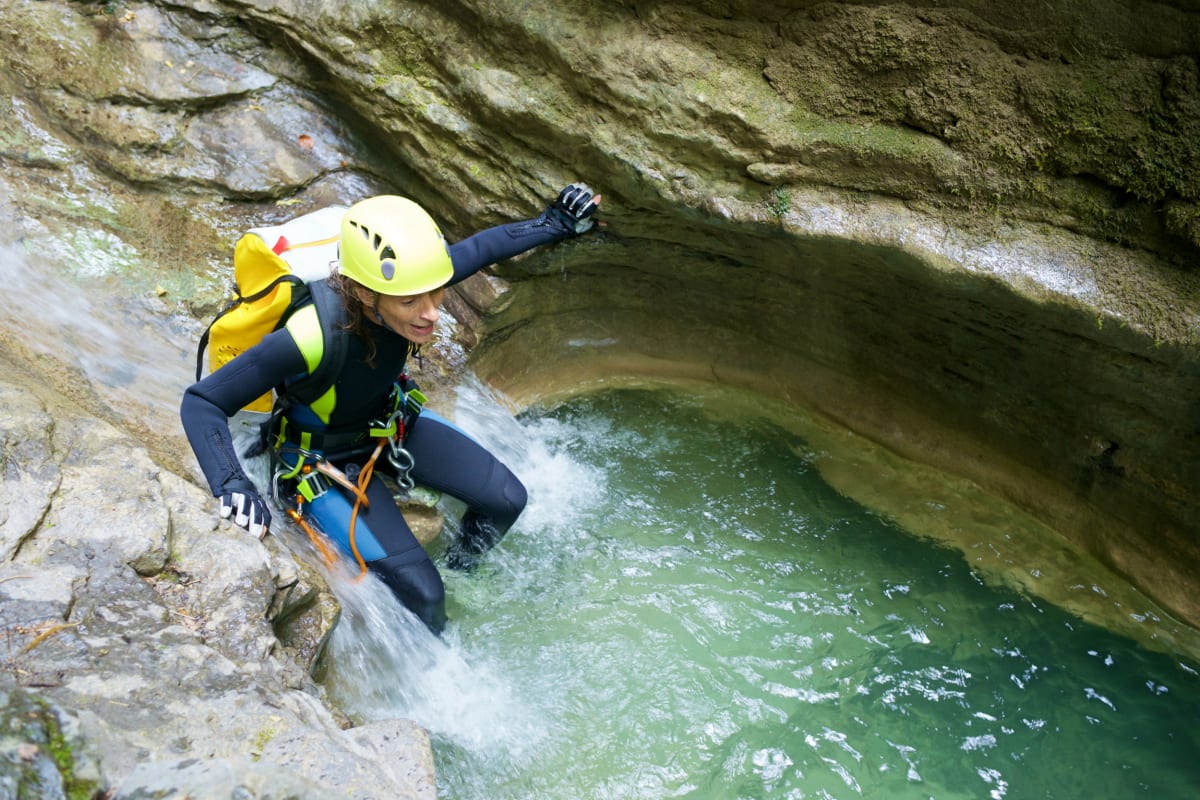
(392, 246)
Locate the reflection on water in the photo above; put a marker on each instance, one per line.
(687, 609)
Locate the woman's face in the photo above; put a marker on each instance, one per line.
(411, 316)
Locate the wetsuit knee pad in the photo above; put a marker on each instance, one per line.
(416, 583)
(516, 497)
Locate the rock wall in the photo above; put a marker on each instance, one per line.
(142, 645)
(964, 230)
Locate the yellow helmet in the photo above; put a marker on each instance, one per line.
(392, 246)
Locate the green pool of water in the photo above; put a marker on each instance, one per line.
(688, 610)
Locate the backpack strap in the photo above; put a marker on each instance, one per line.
(298, 287)
(316, 327)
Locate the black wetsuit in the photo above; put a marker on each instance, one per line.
(445, 458)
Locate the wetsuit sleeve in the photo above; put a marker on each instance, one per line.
(503, 241)
(208, 404)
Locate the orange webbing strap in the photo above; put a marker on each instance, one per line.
(364, 477)
(317, 539)
(282, 245)
(339, 477)
(360, 493)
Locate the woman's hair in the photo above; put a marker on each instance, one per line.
(357, 321)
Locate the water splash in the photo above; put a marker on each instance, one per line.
(387, 663)
(560, 487)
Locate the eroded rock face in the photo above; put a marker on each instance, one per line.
(965, 231)
(153, 635)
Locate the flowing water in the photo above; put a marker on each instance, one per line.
(687, 609)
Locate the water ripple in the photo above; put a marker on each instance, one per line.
(675, 629)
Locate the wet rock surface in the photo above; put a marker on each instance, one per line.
(967, 233)
(160, 639)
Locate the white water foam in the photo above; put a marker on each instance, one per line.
(387, 663)
(559, 487)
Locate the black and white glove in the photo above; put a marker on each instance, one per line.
(248, 511)
(574, 207)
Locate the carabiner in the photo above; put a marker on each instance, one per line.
(403, 461)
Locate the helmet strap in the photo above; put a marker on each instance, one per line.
(374, 309)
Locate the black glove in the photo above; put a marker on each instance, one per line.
(248, 511)
(573, 208)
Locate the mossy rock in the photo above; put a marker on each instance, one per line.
(41, 753)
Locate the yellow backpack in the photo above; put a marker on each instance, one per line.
(272, 267)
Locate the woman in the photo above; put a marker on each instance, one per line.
(384, 296)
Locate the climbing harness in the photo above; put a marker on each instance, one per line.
(313, 475)
(394, 430)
